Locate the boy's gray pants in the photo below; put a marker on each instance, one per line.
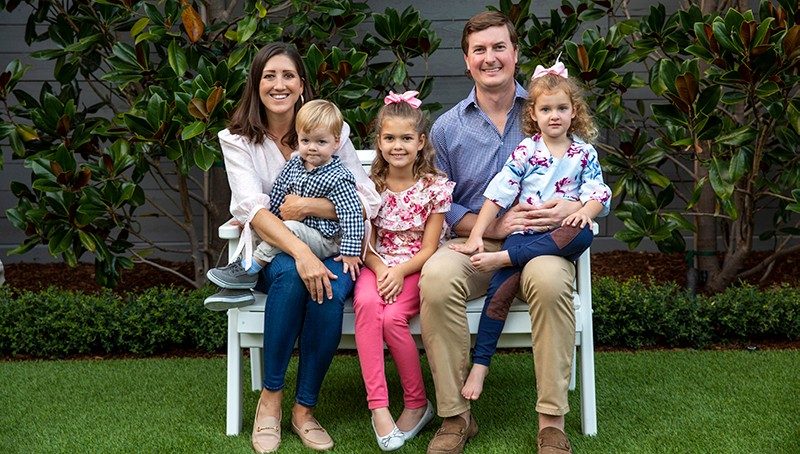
(321, 247)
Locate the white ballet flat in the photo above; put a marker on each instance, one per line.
(394, 440)
(426, 418)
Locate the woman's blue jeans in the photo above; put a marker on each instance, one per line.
(292, 316)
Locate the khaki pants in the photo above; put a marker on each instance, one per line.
(449, 280)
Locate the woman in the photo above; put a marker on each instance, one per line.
(304, 295)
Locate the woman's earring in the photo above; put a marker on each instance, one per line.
(302, 99)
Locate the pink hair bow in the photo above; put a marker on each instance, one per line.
(558, 69)
(409, 97)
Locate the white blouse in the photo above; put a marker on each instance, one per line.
(252, 169)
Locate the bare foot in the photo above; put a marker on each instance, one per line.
(474, 386)
(490, 261)
(382, 419)
(410, 417)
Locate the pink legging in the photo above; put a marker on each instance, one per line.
(377, 322)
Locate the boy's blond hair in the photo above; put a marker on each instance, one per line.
(319, 114)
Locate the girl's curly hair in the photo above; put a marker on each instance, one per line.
(582, 125)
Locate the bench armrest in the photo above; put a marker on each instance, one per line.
(229, 230)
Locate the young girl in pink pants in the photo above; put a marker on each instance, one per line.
(407, 231)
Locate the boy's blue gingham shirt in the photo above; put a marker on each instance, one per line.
(470, 150)
(331, 181)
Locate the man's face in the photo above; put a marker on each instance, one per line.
(491, 58)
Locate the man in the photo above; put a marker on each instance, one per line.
(473, 141)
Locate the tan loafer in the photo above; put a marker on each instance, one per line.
(553, 441)
(266, 432)
(453, 435)
(313, 435)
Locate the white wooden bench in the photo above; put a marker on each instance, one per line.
(246, 329)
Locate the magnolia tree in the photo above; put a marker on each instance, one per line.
(167, 75)
(717, 149)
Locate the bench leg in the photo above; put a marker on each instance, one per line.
(588, 397)
(233, 414)
(255, 369)
(574, 366)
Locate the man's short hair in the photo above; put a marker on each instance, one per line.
(484, 20)
(319, 114)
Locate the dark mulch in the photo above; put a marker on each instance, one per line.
(618, 264)
(672, 267)
(37, 276)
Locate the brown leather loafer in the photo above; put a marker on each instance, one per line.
(553, 441)
(453, 435)
(313, 435)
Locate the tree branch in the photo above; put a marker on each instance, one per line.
(140, 259)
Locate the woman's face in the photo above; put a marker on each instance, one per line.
(280, 85)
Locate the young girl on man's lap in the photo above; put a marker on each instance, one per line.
(554, 162)
(407, 231)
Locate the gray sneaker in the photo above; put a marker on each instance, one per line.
(228, 299)
(232, 276)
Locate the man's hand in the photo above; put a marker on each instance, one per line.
(293, 208)
(351, 264)
(540, 218)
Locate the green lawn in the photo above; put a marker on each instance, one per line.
(648, 402)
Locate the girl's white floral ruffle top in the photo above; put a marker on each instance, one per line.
(400, 222)
(533, 175)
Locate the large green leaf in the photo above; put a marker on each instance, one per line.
(793, 114)
(795, 206)
(177, 58)
(669, 115)
(193, 130)
(720, 179)
(739, 165)
(205, 156)
(708, 100)
(744, 135)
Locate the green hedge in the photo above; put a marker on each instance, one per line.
(634, 314)
(631, 314)
(54, 323)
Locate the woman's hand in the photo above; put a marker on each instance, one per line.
(390, 284)
(315, 275)
(293, 208)
(296, 208)
(351, 264)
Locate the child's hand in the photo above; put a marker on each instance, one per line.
(352, 264)
(472, 246)
(577, 219)
(390, 284)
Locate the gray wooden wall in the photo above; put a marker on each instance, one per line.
(450, 86)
